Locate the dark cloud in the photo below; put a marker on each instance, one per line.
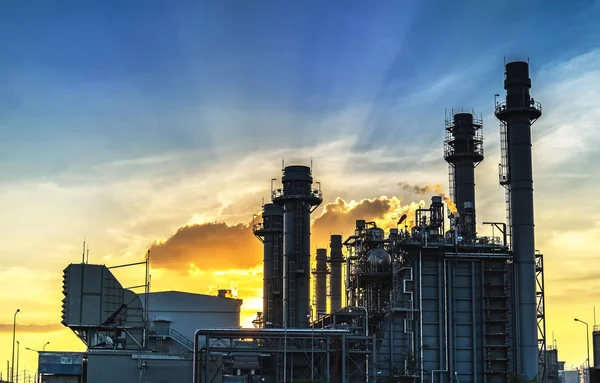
(433, 189)
(31, 328)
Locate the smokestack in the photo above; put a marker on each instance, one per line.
(518, 113)
(320, 274)
(298, 200)
(270, 232)
(463, 150)
(335, 265)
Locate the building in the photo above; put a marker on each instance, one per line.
(131, 337)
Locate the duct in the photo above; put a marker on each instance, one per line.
(519, 111)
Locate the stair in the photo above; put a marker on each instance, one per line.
(176, 336)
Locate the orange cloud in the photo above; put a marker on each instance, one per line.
(209, 256)
(208, 246)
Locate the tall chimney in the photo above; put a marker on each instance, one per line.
(270, 232)
(320, 274)
(335, 261)
(298, 200)
(463, 150)
(518, 113)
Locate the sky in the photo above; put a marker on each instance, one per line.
(159, 125)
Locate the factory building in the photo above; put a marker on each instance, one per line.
(131, 337)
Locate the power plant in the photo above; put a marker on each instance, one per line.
(429, 300)
(433, 302)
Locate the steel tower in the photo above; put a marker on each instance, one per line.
(463, 150)
(270, 233)
(298, 199)
(518, 113)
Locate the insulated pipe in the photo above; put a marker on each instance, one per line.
(519, 112)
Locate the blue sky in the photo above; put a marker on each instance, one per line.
(125, 120)
(121, 79)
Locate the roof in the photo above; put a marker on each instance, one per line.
(185, 301)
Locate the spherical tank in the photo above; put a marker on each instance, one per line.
(379, 257)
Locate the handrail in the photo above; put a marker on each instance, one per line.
(175, 335)
(502, 107)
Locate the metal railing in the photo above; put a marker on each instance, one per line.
(176, 336)
(533, 105)
(278, 193)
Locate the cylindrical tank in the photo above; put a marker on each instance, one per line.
(321, 281)
(518, 115)
(336, 259)
(378, 258)
(297, 199)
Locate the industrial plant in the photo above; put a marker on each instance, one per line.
(429, 300)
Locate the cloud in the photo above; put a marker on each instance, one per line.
(32, 328)
(437, 189)
(233, 250)
(208, 246)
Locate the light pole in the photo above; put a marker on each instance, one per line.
(18, 349)
(587, 339)
(12, 363)
(44, 348)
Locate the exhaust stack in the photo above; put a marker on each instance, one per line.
(298, 199)
(336, 259)
(270, 233)
(320, 274)
(463, 150)
(518, 113)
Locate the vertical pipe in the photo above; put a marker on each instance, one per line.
(518, 113)
(473, 321)
(421, 362)
(483, 323)
(344, 359)
(440, 315)
(206, 353)
(328, 360)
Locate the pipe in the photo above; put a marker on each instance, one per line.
(348, 289)
(421, 362)
(366, 317)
